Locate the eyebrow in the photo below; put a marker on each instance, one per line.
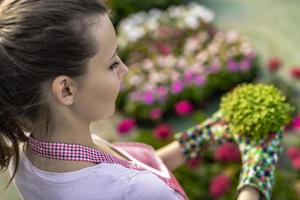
(115, 53)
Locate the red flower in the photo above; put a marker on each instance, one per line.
(293, 153)
(228, 152)
(183, 108)
(126, 125)
(296, 163)
(295, 72)
(162, 131)
(164, 49)
(155, 113)
(274, 64)
(219, 186)
(296, 122)
(194, 162)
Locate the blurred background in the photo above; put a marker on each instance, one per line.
(183, 56)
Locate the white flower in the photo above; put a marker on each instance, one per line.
(191, 22)
(155, 13)
(175, 76)
(176, 12)
(147, 64)
(181, 63)
(170, 60)
(135, 80)
(231, 36)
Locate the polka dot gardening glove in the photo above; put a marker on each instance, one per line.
(194, 140)
(259, 160)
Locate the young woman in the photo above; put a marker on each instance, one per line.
(60, 71)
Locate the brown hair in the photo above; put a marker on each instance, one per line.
(39, 40)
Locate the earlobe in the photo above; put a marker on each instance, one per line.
(63, 90)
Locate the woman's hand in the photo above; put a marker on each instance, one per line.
(193, 141)
(259, 159)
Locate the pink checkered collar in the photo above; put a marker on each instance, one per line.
(76, 152)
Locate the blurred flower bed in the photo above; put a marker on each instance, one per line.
(178, 60)
(122, 9)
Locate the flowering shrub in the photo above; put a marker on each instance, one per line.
(179, 56)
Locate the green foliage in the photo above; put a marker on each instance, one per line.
(256, 110)
(123, 8)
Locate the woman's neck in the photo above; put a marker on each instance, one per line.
(74, 133)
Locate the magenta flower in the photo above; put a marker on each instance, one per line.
(200, 80)
(232, 66)
(148, 98)
(183, 108)
(176, 87)
(219, 186)
(296, 122)
(155, 113)
(126, 125)
(227, 152)
(162, 131)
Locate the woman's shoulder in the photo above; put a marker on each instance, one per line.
(146, 185)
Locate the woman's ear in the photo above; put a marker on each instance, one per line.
(64, 89)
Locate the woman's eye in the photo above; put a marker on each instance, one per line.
(114, 65)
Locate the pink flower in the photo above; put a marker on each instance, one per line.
(214, 68)
(148, 98)
(296, 122)
(219, 186)
(251, 55)
(136, 96)
(188, 76)
(293, 153)
(245, 65)
(176, 87)
(274, 64)
(228, 152)
(161, 91)
(296, 163)
(155, 113)
(295, 72)
(126, 125)
(183, 108)
(163, 131)
(232, 66)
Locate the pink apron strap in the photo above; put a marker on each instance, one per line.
(146, 154)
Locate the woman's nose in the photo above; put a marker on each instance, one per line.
(123, 70)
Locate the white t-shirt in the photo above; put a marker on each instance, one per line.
(99, 182)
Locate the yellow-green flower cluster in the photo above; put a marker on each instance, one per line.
(256, 110)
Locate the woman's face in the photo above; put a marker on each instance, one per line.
(96, 98)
